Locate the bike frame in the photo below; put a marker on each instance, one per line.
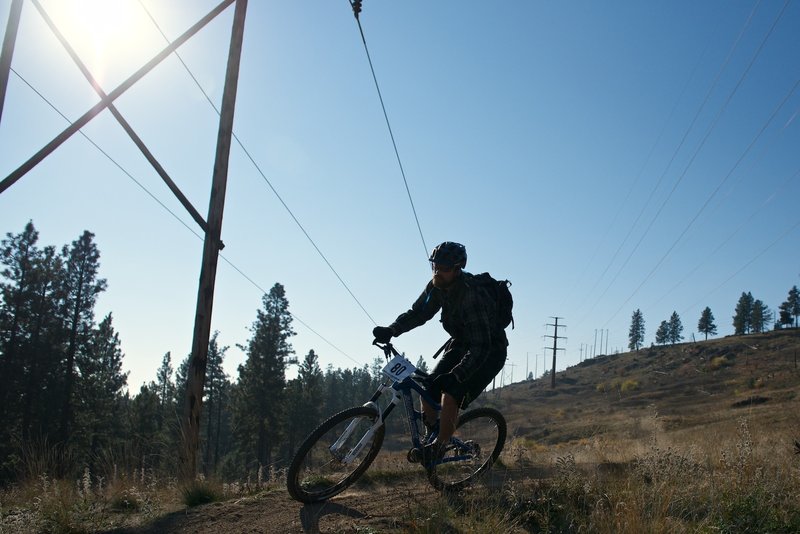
(401, 393)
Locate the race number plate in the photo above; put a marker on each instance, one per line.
(399, 368)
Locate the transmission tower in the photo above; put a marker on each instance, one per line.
(555, 337)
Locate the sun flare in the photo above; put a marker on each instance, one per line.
(103, 32)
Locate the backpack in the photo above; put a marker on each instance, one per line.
(502, 295)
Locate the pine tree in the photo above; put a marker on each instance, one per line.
(258, 403)
(742, 320)
(662, 334)
(99, 393)
(784, 315)
(422, 365)
(675, 328)
(760, 317)
(165, 389)
(18, 257)
(81, 288)
(636, 332)
(792, 305)
(215, 403)
(304, 402)
(706, 323)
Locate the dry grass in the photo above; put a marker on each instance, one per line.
(699, 440)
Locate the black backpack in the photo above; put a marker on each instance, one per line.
(502, 295)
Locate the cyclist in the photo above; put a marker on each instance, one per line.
(476, 351)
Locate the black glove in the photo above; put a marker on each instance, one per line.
(446, 382)
(382, 334)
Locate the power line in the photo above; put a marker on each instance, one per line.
(694, 156)
(356, 5)
(702, 106)
(174, 215)
(260, 172)
(746, 265)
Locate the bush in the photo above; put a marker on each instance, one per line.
(201, 492)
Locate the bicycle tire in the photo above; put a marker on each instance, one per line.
(316, 473)
(479, 430)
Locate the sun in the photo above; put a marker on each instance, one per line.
(104, 33)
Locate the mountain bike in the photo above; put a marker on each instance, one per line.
(341, 449)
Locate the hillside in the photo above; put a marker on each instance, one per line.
(608, 419)
(679, 391)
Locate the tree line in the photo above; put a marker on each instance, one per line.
(64, 398)
(750, 316)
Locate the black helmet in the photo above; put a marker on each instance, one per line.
(450, 254)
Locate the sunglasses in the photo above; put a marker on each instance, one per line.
(436, 267)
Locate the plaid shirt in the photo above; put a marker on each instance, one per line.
(468, 315)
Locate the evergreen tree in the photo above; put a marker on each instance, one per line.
(706, 323)
(146, 448)
(215, 403)
(304, 402)
(636, 332)
(81, 288)
(662, 334)
(18, 257)
(784, 315)
(422, 365)
(99, 407)
(31, 341)
(165, 390)
(760, 317)
(675, 328)
(791, 306)
(742, 320)
(258, 400)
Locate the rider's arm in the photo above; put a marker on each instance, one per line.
(422, 311)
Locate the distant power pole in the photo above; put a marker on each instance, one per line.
(606, 340)
(555, 337)
(594, 348)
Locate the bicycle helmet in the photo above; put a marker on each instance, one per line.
(450, 254)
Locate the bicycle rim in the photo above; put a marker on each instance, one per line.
(330, 459)
(478, 441)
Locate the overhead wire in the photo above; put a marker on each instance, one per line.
(261, 172)
(675, 153)
(699, 148)
(763, 251)
(636, 181)
(744, 223)
(171, 212)
(356, 6)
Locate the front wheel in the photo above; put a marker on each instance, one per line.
(335, 455)
(478, 440)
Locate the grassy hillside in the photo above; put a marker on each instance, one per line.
(681, 393)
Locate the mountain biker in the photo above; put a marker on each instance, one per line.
(476, 351)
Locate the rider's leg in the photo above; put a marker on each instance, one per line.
(428, 413)
(448, 418)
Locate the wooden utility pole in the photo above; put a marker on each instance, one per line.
(211, 247)
(9, 40)
(555, 337)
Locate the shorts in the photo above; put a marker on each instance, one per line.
(470, 389)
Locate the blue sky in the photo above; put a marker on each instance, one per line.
(604, 157)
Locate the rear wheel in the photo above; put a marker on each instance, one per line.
(335, 455)
(478, 440)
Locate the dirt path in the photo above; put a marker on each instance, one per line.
(361, 509)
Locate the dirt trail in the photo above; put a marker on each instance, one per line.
(361, 509)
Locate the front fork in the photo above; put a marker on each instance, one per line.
(367, 437)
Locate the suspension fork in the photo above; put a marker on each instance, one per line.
(367, 437)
